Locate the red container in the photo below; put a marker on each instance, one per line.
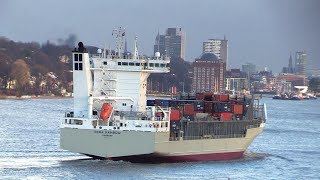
(208, 107)
(174, 115)
(188, 109)
(208, 96)
(237, 109)
(199, 96)
(221, 97)
(225, 116)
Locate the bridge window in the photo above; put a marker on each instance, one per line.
(78, 66)
(157, 65)
(162, 65)
(80, 57)
(105, 63)
(76, 57)
(124, 63)
(137, 64)
(151, 64)
(131, 64)
(124, 104)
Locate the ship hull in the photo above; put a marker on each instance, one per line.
(158, 158)
(107, 143)
(193, 150)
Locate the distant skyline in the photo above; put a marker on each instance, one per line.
(262, 32)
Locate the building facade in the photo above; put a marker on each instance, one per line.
(172, 44)
(249, 68)
(300, 64)
(217, 46)
(208, 74)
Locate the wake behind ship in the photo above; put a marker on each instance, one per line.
(111, 118)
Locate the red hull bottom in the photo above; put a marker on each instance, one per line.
(157, 158)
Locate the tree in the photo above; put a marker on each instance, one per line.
(21, 73)
(4, 70)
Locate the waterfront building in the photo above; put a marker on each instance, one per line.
(295, 80)
(249, 68)
(300, 64)
(217, 46)
(208, 74)
(172, 44)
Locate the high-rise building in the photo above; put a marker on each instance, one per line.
(300, 65)
(249, 68)
(217, 46)
(172, 44)
(208, 74)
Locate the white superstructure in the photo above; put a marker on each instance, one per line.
(120, 81)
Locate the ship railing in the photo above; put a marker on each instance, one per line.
(259, 112)
(141, 57)
(206, 137)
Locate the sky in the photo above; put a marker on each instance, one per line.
(263, 32)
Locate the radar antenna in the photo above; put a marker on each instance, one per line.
(119, 33)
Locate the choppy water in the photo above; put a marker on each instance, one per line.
(289, 147)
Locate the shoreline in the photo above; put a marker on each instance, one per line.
(34, 97)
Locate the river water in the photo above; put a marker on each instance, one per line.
(289, 147)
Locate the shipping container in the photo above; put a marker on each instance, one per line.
(162, 102)
(208, 106)
(208, 97)
(222, 107)
(225, 116)
(246, 105)
(175, 125)
(238, 117)
(188, 109)
(200, 96)
(221, 97)
(198, 105)
(237, 109)
(173, 103)
(175, 115)
(150, 102)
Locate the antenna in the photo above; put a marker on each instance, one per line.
(119, 33)
(135, 53)
(158, 40)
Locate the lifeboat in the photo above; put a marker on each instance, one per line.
(106, 110)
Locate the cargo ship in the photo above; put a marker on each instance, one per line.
(112, 118)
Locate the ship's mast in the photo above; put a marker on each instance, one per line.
(119, 33)
(135, 53)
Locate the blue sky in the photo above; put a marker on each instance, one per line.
(263, 32)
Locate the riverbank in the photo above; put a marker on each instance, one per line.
(34, 97)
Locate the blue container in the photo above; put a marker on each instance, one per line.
(198, 105)
(222, 107)
(150, 102)
(162, 102)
